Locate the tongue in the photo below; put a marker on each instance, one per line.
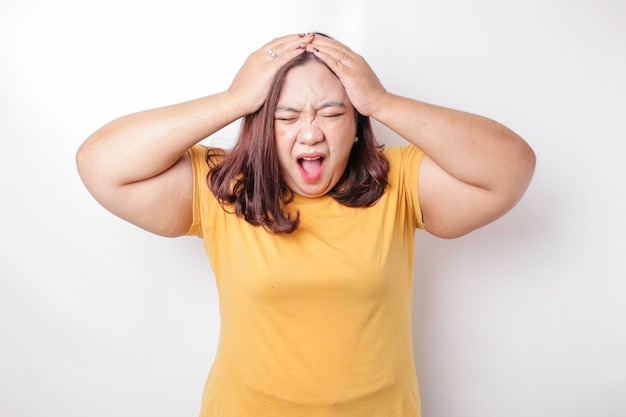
(311, 166)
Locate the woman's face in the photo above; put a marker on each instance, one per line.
(315, 129)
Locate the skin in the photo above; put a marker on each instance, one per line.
(314, 119)
(474, 171)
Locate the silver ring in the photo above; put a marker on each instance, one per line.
(272, 53)
(345, 55)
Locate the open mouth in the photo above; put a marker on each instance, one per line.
(311, 167)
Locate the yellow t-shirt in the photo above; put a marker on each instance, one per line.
(316, 322)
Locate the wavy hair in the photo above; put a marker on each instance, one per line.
(248, 177)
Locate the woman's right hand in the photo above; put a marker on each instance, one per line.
(137, 166)
(252, 82)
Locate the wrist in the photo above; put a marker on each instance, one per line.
(229, 105)
(381, 106)
(239, 104)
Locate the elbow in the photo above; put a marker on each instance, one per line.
(93, 166)
(511, 191)
(86, 162)
(512, 178)
(527, 161)
(94, 157)
(82, 158)
(529, 158)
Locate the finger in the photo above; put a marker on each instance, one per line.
(287, 47)
(331, 46)
(337, 59)
(336, 55)
(281, 41)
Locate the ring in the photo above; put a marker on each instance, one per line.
(345, 55)
(272, 53)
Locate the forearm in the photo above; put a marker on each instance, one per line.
(473, 149)
(145, 144)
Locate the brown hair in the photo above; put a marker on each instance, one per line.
(249, 178)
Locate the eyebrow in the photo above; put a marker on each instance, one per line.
(323, 106)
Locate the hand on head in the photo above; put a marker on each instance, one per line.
(254, 78)
(252, 82)
(361, 83)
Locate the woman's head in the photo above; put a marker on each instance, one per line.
(314, 128)
(302, 140)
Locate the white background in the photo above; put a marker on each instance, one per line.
(523, 317)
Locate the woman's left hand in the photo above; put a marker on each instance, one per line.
(361, 83)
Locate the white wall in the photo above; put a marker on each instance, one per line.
(524, 317)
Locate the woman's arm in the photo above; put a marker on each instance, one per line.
(137, 166)
(475, 169)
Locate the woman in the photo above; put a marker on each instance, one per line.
(308, 223)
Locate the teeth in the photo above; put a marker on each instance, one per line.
(311, 159)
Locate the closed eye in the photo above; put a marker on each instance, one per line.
(285, 117)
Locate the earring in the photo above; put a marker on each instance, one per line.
(356, 139)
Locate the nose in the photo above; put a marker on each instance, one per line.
(310, 133)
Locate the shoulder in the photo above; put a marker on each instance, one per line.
(403, 157)
(203, 157)
(404, 169)
(205, 153)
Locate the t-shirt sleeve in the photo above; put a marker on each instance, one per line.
(406, 161)
(200, 170)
